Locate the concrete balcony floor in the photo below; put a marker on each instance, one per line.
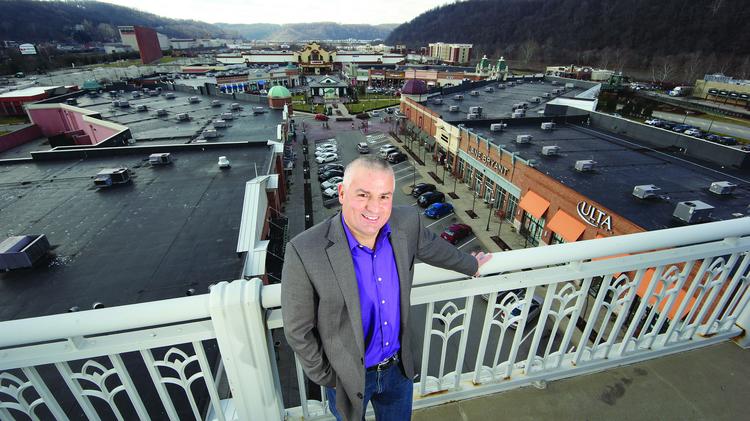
(711, 383)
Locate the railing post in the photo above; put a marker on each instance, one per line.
(743, 321)
(240, 325)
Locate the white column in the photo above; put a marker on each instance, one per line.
(743, 321)
(240, 324)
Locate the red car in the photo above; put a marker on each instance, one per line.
(455, 233)
(321, 117)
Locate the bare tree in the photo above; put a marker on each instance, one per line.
(604, 58)
(662, 69)
(527, 50)
(620, 59)
(716, 5)
(743, 72)
(692, 67)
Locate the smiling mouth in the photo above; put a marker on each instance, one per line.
(370, 218)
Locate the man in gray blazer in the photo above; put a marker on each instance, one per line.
(345, 294)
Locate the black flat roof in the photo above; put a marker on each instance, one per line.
(621, 164)
(497, 104)
(174, 227)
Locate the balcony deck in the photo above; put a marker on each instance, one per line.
(707, 383)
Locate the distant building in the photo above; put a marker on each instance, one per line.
(112, 48)
(164, 42)
(580, 72)
(724, 89)
(142, 39)
(12, 103)
(183, 43)
(27, 49)
(451, 53)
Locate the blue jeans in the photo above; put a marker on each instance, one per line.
(390, 392)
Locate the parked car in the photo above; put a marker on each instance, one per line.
(328, 167)
(456, 232)
(682, 127)
(693, 132)
(319, 152)
(362, 147)
(331, 192)
(421, 188)
(429, 198)
(516, 305)
(652, 121)
(438, 210)
(321, 117)
(331, 182)
(712, 137)
(327, 157)
(384, 152)
(326, 146)
(396, 157)
(727, 140)
(330, 174)
(224, 162)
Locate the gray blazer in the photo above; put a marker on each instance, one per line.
(320, 300)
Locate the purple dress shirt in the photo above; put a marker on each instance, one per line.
(379, 296)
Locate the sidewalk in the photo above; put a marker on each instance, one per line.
(467, 202)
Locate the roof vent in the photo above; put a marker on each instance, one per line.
(497, 127)
(227, 116)
(519, 113)
(692, 211)
(453, 108)
(723, 188)
(489, 89)
(476, 110)
(585, 165)
(161, 112)
(474, 93)
(472, 116)
(22, 251)
(523, 138)
(183, 117)
(501, 86)
(458, 97)
(532, 163)
(550, 150)
(235, 106)
(437, 101)
(536, 99)
(548, 125)
(547, 95)
(194, 99)
(645, 191)
(210, 134)
(169, 95)
(216, 103)
(220, 124)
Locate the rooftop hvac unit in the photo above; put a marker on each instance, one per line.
(474, 93)
(501, 86)
(550, 150)
(532, 163)
(227, 116)
(193, 99)
(569, 86)
(220, 124)
(453, 108)
(510, 84)
(258, 110)
(536, 99)
(489, 89)
(645, 191)
(472, 116)
(523, 138)
(554, 82)
(210, 134)
(548, 125)
(153, 93)
(124, 103)
(22, 251)
(518, 114)
(111, 177)
(547, 95)
(497, 127)
(136, 94)
(116, 103)
(71, 101)
(476, 110)
(585, 165)
(458, 97)
(169, 95)
(437, 101)
(141, 107)
(161, 112)
(216, 103)
(160, 158)
(722, 187)
(234, 106)
(692, 211)
(183, 117)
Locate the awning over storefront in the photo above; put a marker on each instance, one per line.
(534, 204)
(677, 302)
(569, 228)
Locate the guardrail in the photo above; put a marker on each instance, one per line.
(537, 315)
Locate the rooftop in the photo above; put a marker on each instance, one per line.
(30, 91)
(173, 228)
(498, 104)
(621, 164)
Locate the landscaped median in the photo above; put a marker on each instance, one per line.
(363, 106)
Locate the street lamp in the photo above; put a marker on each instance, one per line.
(492, 202)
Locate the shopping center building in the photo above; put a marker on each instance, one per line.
(563, 173)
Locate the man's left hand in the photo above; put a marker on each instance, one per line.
(482, 258)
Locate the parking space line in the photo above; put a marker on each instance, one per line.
(414, 204)
(450, 214)
(407, 176)
(401, 170)
(462, 245)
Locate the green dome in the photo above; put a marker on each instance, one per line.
(279, 92)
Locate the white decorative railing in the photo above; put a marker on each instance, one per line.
(213, 357)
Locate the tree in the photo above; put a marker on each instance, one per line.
(527, 50)
(662, 69)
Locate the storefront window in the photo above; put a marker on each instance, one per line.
(510, 209)
(478, 181)
(488, 189)
(531, 229)
(461, 168)
(556, 239)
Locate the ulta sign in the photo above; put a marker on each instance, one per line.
(594, 216)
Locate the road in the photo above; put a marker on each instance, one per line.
(702, 123)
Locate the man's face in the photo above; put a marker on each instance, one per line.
(367, 201)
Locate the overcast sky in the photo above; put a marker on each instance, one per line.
(286, 11)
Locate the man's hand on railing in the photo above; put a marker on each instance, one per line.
(482, 258)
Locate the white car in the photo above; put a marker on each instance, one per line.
(331, 182)
(332, 192)
(224, 162)
(325, 151)
(326, 146)
(327, 157)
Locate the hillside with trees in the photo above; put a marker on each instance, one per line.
(666, 39)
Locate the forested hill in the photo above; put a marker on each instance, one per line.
(84, 21)
(620, 32)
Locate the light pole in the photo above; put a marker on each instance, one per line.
(414, 173)
(492, 202)
(686, 116)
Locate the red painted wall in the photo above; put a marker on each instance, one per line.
(148, 43)
(58, 120)
(19, 137)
